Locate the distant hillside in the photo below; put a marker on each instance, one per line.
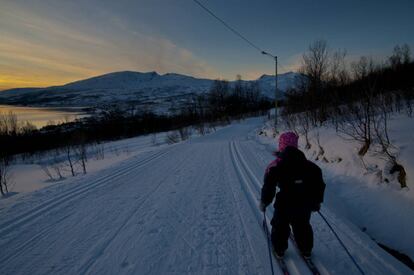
(149, 90)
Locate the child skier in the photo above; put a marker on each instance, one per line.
(301, 192)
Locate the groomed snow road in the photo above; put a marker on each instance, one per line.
(189, 208)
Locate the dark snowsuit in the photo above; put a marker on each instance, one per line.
(301, 192)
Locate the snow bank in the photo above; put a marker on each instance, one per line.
(362, 189)
(29, 175)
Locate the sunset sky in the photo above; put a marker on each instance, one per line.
(51, 42)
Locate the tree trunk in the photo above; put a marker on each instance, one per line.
(364, 148)
(84, 166)
(1, 190)
(402, 175)
(70, 162)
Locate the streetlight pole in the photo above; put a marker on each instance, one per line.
(275, 58)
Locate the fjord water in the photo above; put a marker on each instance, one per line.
(42, 116)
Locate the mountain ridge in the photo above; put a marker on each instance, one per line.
(130, 87)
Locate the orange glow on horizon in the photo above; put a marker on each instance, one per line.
(9, 82)
(38, 48)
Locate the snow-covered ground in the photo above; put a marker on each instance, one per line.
(28, 174)
(188, 208)
(366, 193)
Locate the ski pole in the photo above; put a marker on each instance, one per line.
(343, 245)
(268, 240)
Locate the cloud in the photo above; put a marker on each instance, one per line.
(41, 46)
(292, 63)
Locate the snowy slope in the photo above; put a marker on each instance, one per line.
(363, 190)
(189, 208)
(136, 80)
(284, 82)
(149, 90)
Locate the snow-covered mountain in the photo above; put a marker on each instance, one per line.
(284, 82)
(150, 89)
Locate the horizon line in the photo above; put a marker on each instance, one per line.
(113, 72)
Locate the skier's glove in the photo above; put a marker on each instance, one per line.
(316, 207)
(262, 207)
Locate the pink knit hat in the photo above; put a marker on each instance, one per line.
(288, 139)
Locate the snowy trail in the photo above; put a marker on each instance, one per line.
(73, 193)
(329, 256)
(252, 193)
(190, 208)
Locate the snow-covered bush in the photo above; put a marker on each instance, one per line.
(172, 137)
(184, 133)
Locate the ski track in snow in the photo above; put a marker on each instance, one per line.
(190, 208)
(329, 256)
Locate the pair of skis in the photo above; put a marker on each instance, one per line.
(281, 261)
(308, 261)
(282, 265)
(311, 265)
